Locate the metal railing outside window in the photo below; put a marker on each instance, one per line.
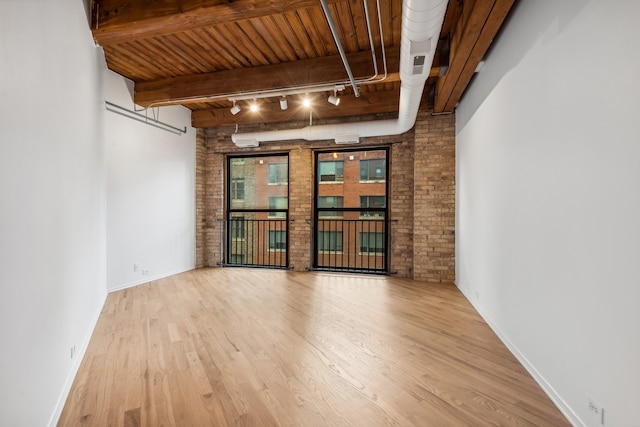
(352, 245)
(256, 242)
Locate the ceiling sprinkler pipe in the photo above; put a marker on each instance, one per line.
(421, 25)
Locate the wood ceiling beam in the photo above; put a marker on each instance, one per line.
(369, 103)
(480, 22)
(119, 21)
(327, 70)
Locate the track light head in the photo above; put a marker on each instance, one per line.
(333, 100)
(306, 102)
(254, 106)
(235, 109)
(283, 103)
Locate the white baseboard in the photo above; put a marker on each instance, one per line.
(148, 279)
(78, 357)
(560, 403)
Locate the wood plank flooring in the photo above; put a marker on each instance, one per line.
(249, 347)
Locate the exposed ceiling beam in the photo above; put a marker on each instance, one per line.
(317, 71)
(369, 103)
(118, 21)
(480, 22)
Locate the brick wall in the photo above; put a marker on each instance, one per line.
(214, 196)
(401, 206)
(434, 198)
(421, 200)
(300, 189)
(201, 220)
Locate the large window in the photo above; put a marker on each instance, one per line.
(257, 195)
(351, 210)
(330, 202)
(278, 173)
(371, 242)
(329, 241)
(373, 170)
(276, 203)
(331, 171)
(277, 240)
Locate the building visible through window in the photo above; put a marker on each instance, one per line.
(277, 203)
(372, 202)
(237, 189)
(332, 171)
(277, 240)
(371, 242)
(373, 170)
(330, 202)
(278, 173)
(237, 227)
(329, 241)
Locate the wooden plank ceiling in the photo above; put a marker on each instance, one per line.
(203, 53)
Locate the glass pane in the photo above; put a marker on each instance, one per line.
(331, 171)
(278, 203)
(330, 202)
(329, 241)
(254, 180)
(277, 240)
(373, 170)
(372, 242)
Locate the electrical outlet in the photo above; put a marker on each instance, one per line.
(73, 351)
(145, 271)
(596, 411)
(136, 267)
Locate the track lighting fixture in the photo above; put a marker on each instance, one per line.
(254, 106)
(306, 102)
(283, 103)
(235, 109)
(333, 99)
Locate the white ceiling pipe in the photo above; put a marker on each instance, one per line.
(421, 25)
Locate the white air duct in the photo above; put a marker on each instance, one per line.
(421, 25)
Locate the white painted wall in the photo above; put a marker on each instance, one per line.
(150, 192)
(84, 193)
(52, 204)
(548, 175)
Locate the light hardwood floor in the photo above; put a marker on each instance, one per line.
(248, 347)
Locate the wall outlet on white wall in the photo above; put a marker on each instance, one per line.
(73, 351)
(145, 271)
(136, 267)
(596, 411)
